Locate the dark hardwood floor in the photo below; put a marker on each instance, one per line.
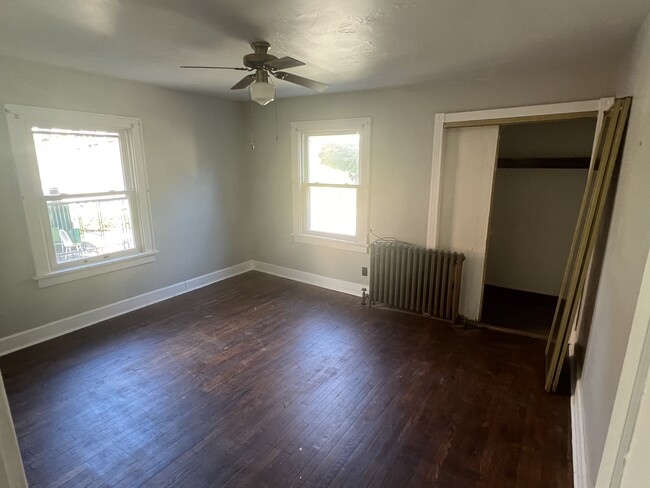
(264, 382)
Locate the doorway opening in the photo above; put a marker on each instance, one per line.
(539, 182)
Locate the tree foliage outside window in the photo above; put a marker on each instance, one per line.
(343, 157)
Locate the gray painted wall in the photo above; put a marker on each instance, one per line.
(194, 149)
(626, 250)
(401, 151)
(215, 202)
(534, 211)
(533, 218)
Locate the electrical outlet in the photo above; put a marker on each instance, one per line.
(364, 271)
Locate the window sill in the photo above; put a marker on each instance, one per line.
(80, 272)
(330, 242)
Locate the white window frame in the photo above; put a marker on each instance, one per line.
(21, 119)
(299, 132)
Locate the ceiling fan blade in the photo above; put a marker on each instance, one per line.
(244, 82)
(214, 67)
(299, 80)
(285, 63)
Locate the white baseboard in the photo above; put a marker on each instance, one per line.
(348, 287)
(578, 444)
(57, 328)
(222, 274)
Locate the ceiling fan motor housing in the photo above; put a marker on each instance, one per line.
(260, 57)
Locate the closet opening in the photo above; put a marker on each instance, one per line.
(539, 181)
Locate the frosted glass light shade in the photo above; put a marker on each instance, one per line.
(262, 92)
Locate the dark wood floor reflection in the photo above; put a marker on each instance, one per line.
(259, 381)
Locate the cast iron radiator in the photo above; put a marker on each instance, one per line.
(416, 279)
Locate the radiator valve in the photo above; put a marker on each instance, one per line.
(364, 296)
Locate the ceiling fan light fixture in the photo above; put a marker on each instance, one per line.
(262, 91)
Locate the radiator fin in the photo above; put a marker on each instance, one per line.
(413, 278)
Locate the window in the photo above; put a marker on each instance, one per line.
(83, 182)
(331, 175)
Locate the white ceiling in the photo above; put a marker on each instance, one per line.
(349, 44)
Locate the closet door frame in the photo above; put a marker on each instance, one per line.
(500, 116)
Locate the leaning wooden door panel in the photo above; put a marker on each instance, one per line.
(585, 237)
(468, 164)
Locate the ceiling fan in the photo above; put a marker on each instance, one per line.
(265, 64)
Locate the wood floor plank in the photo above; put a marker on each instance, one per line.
(261, 381)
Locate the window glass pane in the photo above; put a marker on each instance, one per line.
(333, 159)
(85, 228)
(333, 210)
(78, 162)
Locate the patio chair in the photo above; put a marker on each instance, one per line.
(71, 249)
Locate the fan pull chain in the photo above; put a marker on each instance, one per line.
(250, 119)
(277, 135)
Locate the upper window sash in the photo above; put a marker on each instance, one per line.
(304, 155)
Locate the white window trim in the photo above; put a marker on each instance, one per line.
(362, 125)
(20, 120)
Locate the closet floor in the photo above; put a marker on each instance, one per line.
(523, 311)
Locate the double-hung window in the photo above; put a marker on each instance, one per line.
(330, 182)
(83, 182)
